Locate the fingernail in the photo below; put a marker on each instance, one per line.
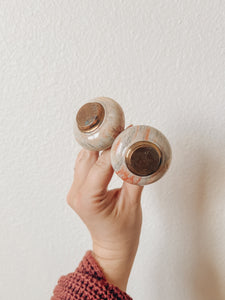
(83, 154)
(130, 125)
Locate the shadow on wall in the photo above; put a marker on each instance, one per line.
(207, 280)
(187, 260)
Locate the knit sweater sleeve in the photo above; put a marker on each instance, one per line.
(87, 282)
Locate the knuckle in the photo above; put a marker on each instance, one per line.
(69, 199)
(74, 200)
(77, 206)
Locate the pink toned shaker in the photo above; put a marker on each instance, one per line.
(140, 154)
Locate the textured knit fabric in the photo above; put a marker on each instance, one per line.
(87, 282)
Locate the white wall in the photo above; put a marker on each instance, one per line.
(164, 62)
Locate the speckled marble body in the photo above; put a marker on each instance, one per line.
(103, 137)
(130, 136)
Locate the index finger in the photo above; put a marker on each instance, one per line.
(100, 174)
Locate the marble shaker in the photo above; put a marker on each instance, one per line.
(98, 123)
(141, 155)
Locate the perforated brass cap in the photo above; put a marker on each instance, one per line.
(143, 158)
(90, 116)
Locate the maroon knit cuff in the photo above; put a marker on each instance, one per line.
(87, 282)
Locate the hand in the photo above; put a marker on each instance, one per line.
(113, 217)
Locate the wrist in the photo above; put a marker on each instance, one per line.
(116, 263)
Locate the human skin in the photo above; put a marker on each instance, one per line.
(113, 217)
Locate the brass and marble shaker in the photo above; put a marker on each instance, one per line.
(98, 123)
(141, 155)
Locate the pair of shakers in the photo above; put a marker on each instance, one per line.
(140, 154)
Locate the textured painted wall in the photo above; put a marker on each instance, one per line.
(164, 62)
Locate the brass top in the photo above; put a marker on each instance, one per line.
(90, 116)
(143, 158)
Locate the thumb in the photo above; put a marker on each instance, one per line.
(100, 174)
(132, 192)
